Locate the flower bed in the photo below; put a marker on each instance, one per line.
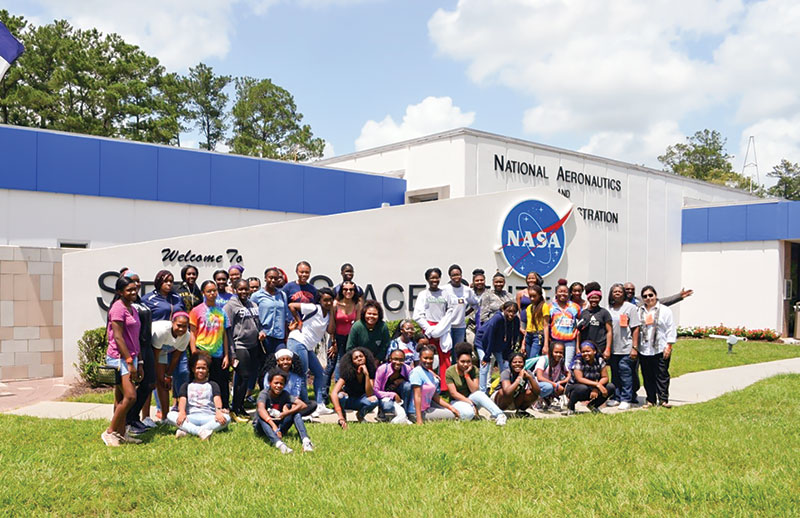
(768, 335)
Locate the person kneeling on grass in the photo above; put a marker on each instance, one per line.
(290, 364)
(354, 389)
(590, 380)
(462, 384)
(277, 411)
(392, 385)
(518, 388)
(552, 374)
(426, 405)
(199, 402)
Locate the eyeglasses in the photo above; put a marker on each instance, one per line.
(348, 289)
(649, 296)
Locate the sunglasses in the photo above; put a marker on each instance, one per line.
(348, 289)
(649, 296)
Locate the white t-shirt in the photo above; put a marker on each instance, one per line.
(162, 336)
(623, 334)
(655, 335)
(463, 296)
(314, 326)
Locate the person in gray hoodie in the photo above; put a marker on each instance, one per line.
(246, 337)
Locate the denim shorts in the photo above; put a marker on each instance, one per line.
(163, 354)
(121, 364)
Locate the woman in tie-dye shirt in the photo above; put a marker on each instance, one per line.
(208, 323)
(562, 324)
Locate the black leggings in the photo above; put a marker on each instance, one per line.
(146, 386)
(655, 376)
(222, 378)
(580, 392)
(250, 361)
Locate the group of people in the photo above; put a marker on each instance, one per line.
(184, 340)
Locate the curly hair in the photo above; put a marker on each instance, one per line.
(347, 370)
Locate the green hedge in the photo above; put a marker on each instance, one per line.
(91, 354)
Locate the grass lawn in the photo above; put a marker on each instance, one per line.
(690, 355)
(728, 457)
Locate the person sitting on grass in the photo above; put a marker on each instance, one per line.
(289, 363)
(552, 375)
(392, 385)
(590, 381)
(518, 388)
(426, 404)
(277, 411)
(354, 389)
(199, 402)
(462, 384)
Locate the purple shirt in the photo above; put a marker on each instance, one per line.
(382, 375)
(130, 329)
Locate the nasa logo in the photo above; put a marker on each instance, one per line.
(532, 238)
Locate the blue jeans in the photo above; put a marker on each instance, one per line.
(546, 389)
(332, 368)
(181, 374)
(623, 369)
(194, 423)
(457, 335)
(272, 344)
(569, 352)
(283, 426)
(481, 400)
(533, 345)
(308, 361)
(364, 405)
(485, 371)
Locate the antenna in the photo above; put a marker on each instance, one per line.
(751, 144)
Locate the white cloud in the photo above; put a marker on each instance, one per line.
(432, 115)
(328, 151)
(624, 74)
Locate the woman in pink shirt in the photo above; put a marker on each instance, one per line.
(345, 310)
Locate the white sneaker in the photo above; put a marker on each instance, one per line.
(149, 422)
(612, 403)
(111, 438)
(624, 405)
(204, 434)
(308, 445)
(323, 410)
(501, 420)
(283, 448)
(180, 433)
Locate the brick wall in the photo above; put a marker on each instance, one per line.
(30, 312)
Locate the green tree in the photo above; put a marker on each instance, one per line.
(172, 108)
(788, 175)
(266, 123)
(207, 102)
(703, 157)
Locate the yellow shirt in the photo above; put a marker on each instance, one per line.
(532, 327)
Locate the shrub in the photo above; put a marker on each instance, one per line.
(393, 331)
(768, 335)
(92, 354)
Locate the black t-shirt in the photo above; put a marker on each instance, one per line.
(354, 387)
(592, 325)
(276, 402)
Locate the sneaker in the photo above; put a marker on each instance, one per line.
(180, 433)
(204, 434)
(612, 403)
(360, 416)
(130, 439)
(111, 438)
(241, 417)
(523, 414)
(323, 410)
(136, 428)
(501, 420)
(149, 423)
(624, 405)
(307, 418)
(569, 412)
(307, 445)
(593, 409)
(283, 448)
(664, 404)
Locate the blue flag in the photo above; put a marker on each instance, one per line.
(10, 49)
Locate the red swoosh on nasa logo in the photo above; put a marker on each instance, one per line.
(549, 231)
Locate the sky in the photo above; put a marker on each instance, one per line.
(617, 78)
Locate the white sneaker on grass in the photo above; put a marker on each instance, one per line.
(612, 403)
(149, 422)
(624, 405)
(204, 434)
(307, 445)
(501, 420)
(111, 438)
(283, 448)
(180, 433)
(323, 410)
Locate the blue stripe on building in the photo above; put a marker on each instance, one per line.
(767, 221)
(46, 161)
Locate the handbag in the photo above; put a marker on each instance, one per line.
(108, 375)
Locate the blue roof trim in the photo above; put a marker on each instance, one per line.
(49, 161)
(769, 221)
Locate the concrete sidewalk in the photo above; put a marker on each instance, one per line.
(696, 387)
(18, 394)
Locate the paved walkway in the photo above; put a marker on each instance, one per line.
(696, 387)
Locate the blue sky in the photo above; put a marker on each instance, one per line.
(617, 78)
